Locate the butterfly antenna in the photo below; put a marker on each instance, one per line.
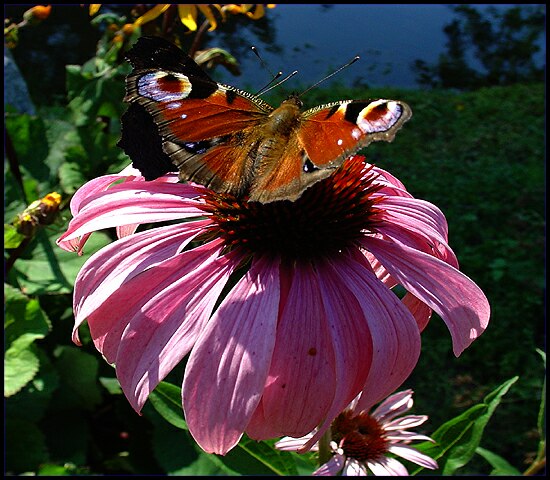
(264, 90)
(275, 76)
(352, 61)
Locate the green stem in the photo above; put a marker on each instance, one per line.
(324, 447)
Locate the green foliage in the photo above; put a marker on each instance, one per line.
(479, 156)
(504, 43)
(456, 441)
(248, 458)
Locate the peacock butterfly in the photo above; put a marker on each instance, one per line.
(231, 141)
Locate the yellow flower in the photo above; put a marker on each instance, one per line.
(189, 13)
(94, 8)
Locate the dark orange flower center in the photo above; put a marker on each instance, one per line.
(360, 436)
(328, 217)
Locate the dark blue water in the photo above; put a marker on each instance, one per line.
(313, 39)
(389, 38)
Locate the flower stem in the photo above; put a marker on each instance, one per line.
(324, 447)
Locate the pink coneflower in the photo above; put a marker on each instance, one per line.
(361, 441)
(285, 308)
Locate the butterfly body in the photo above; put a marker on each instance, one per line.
(234, 142)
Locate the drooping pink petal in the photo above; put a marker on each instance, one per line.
(353, 468)
(403, 423)
(395, 335)
(412, 455)
(404, 436)
(165, 329)
(294, 404)
(97, 185)
(227, 369)
(420, 311)
(353, 340)
(420, 242)
(126, 230)
(108, 322)
(129, 203)
(104, 273)
(391, 184)
(332, 467)
(414, 214)
(292, 444)
(393, 406)
(455, 297)
(388, 466)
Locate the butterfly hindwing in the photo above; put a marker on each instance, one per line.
(326, 136)
(330, 133)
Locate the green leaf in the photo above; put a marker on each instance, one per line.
(31, 402)
(24, 323)
(50, 470)
(248, 457)
(25, 446)
(177, 453)
(458, 439)
(111, 385)
(78, 371)
(499, 464)
(12, 238)
(62, 136)
(28, 135)
(23, 317)
(271, 460)
(49, 269)
(71, 176)
(20, 367)
(166, 399)
(94, 90)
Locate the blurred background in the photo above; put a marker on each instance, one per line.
(474, 76)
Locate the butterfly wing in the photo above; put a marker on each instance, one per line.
(324, 138)
(207, 129)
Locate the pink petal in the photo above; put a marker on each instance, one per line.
(412, 455)
(301, 380)
(404, 436)
(354, 468)
(420, 311)
(351, 337)
(131, 203)
(126, 230)
(403, 423)
(108, 322)
(395, 335)
(393, 186)
(291, 444)
(228, 367)
(105, 272)
(332, 467)
(165, 328)
(456, 298)
(393, 406)
(416, 215)
(388, 466)
(97, 185)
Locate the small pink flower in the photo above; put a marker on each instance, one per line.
(284, 309)
(361, 441)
